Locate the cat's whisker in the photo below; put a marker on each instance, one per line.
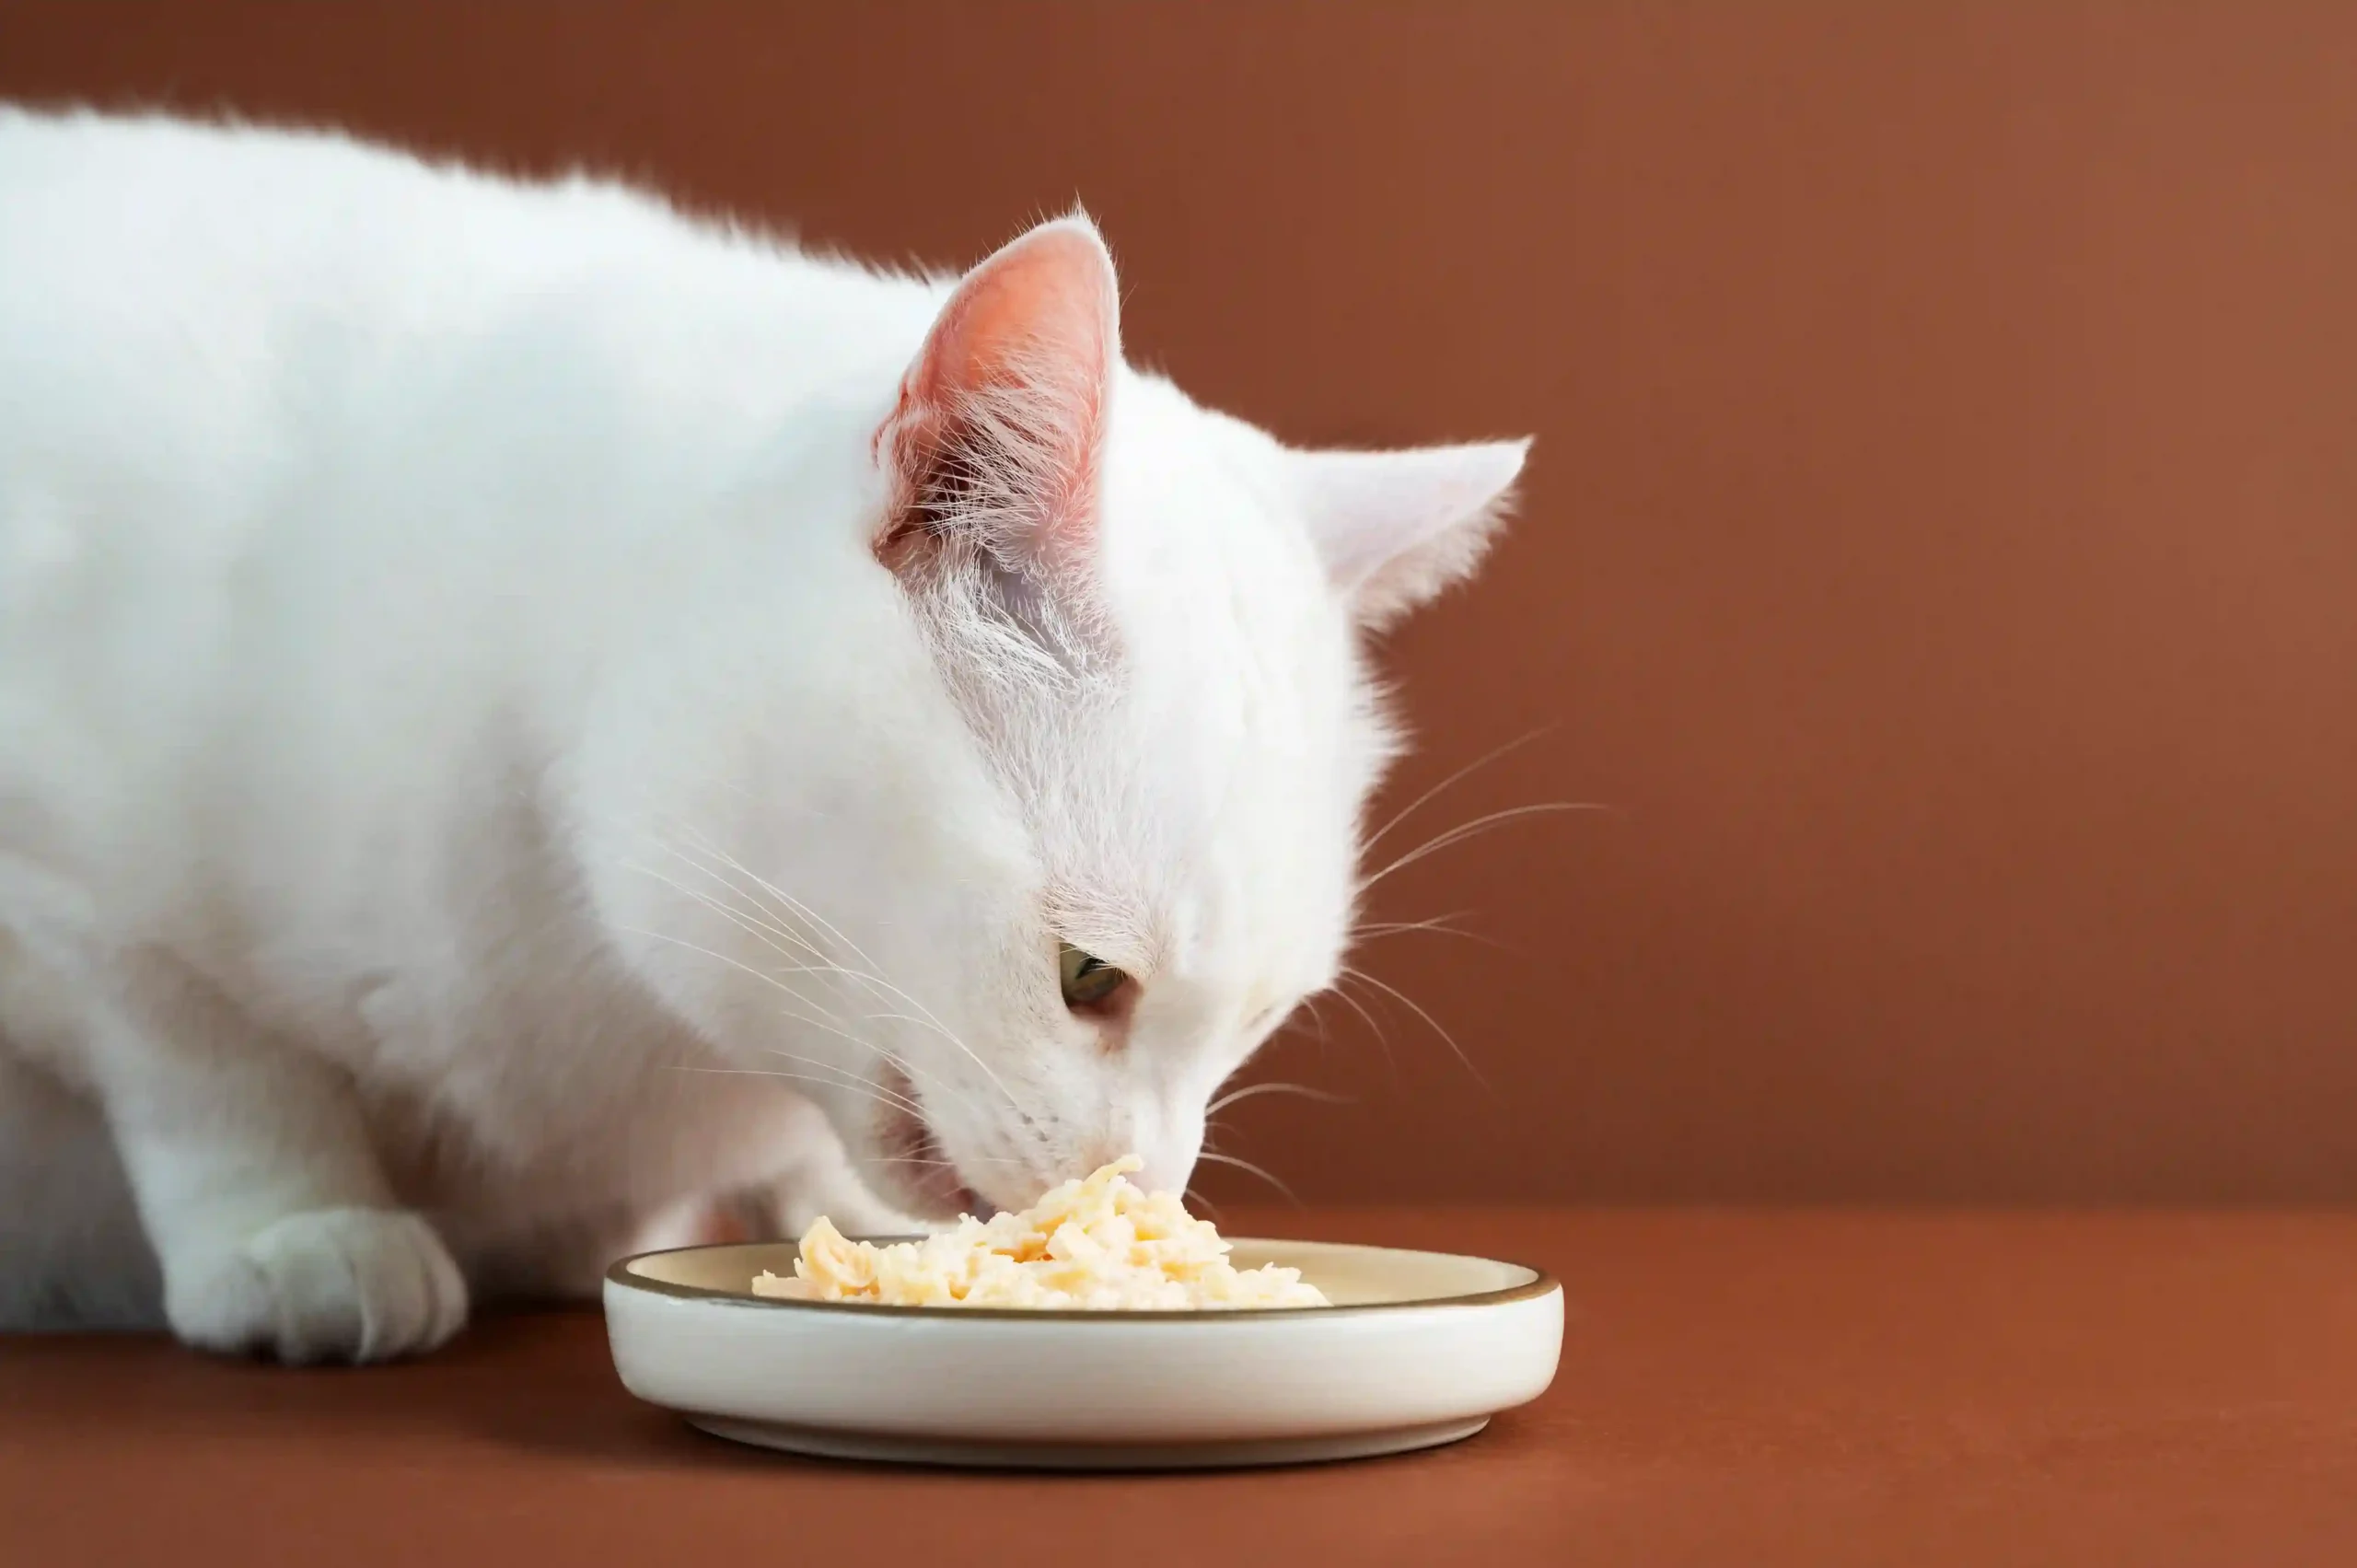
(744, 925)
(928, 1019)
(824, 966)
(748, 968)
(855, 1079)
(1480, 825)
(732, 874)
(1249, 1090)
(1375, 931)
(1373, 1025)
(1316, 1019)
(700, 895)
(1385, 927)
(927, 1082)
(781, 1072)
(1454, 779)
(1248, 1168)
(753, 923)
(876, 984)
(819, 921)
(1434, 1024)
(1196, 1203)
(776, 922)
(784, 920)
(800, 911)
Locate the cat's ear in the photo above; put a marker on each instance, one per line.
(996, 440)
(1397, 528)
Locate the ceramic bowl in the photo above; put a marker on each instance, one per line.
(1420, 1349)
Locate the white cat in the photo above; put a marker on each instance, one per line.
(521, 714)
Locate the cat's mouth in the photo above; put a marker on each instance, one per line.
(925, 1174)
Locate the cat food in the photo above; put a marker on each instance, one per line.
(1097, 1243)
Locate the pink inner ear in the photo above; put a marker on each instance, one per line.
(1015, 376)
(1042, 302)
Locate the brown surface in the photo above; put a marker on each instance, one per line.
(1939, 551)
(1799, 1388)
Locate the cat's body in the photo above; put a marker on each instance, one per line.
(512, 704)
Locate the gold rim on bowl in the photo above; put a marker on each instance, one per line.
(1540, 1283)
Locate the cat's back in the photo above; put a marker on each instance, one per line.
(156, 233)
(218, 340)
(180, 257)
(125, 175)
(226, 261)
(183, 306)
(96, 199)
(194, 320)
(271, 401)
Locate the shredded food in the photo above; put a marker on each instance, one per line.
(1097, 1243)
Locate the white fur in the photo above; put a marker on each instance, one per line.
(459, 747)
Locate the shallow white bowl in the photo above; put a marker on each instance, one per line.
(1420, 1348)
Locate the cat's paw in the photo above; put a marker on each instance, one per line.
(331, 1284)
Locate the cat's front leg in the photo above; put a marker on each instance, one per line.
(257, 1186)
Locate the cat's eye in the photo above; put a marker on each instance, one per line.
(1088, 981)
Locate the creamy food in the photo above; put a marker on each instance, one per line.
(1097, 1243)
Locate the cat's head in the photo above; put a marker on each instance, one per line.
(1088, 828)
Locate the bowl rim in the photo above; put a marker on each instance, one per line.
(1540, 1284)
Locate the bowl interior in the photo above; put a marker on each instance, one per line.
(1351, 1276)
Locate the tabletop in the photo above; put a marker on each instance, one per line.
(1818, 1387)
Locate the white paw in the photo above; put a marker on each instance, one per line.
(331, 1284)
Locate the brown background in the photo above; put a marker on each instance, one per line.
(1941, 553)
